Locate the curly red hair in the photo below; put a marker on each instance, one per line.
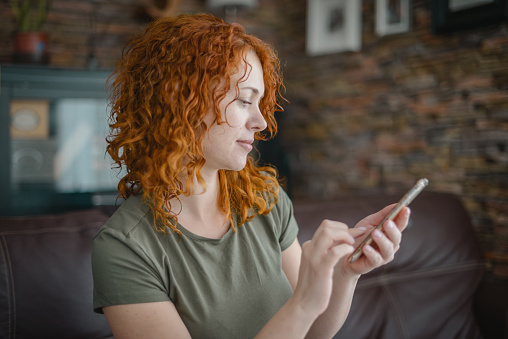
(167, 80)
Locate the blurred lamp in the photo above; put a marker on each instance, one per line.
(230, 7)
(213, 4)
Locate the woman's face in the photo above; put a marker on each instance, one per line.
(227, 145)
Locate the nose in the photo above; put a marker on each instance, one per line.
(257, 121)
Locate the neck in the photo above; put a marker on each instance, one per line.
(200, 212)
(200, 202)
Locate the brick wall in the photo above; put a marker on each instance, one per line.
(79, 28)
(407, 106)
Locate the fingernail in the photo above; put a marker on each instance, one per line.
(361, 228)
(377, 233)
(367, 248)
(390, 224)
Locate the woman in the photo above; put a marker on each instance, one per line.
(205, 244)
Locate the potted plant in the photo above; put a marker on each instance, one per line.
(30, 42)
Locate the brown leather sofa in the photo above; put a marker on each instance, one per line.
(46, 277)
(426, 292)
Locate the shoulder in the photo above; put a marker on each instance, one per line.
(127, 258)
(283, 208)
(132, 216)
(130, 228)
(281, 220)
(128, 236)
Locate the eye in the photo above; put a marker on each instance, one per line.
(244, 103)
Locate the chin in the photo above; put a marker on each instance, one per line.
(238, 166)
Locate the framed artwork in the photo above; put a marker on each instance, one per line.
(450, 16)
(333, 26)
(29, 119)
(392, 16)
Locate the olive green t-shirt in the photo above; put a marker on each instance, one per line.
(222, 288)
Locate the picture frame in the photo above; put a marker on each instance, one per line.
(333, 26)
(392, 16)
(29, 119)
(449, 16)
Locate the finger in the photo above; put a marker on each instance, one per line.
(330, 233)
(392, 232)
(402, 218)
(376, 218)
(385, 246)
(372, 256)
(357, 231)
(336, 253)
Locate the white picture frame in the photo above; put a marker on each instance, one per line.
(333, 26)
(459, 5)
(392, 16)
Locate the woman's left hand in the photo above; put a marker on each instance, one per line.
(386, 241)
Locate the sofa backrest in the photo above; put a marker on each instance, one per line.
(46, 278)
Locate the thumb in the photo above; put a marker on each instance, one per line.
(357, 231)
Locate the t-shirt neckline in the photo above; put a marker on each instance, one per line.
(206, 239)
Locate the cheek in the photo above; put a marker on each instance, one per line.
(215, 135)
(234, 117)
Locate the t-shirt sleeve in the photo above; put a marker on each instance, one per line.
(123, 273)
(288, 224)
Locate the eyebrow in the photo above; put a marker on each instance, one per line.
(253, 89)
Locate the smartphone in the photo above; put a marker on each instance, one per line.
(406, 200)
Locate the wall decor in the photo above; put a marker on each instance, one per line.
(392, 16)
(32, 161)
(29, 119)
(450, 16)
(333, 26)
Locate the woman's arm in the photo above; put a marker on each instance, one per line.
(346, 275)
(310, 273)
(146, 320)
(160, 320)
(334, 315)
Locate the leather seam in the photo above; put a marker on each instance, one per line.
(54, 229)
(11, 297)
(401, 321)
(426, 272)
(2, 251)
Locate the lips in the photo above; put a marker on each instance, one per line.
(246, 144)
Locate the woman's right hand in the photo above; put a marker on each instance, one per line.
(331, 242)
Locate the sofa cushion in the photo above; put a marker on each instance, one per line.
(45, 276)
(427, 290)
